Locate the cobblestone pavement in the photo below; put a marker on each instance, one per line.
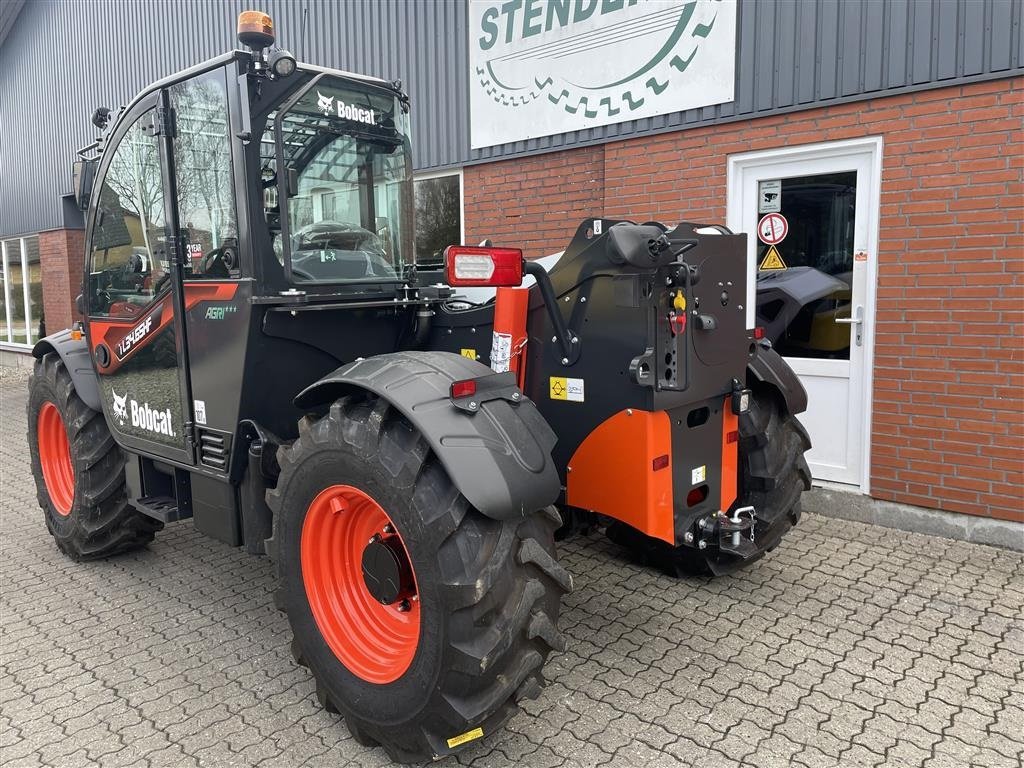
(850, 645)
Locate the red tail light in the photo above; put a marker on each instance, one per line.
(467, 265)
(759, 332)
(464, 388)
(660, 462)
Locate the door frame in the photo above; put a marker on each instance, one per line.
(151, 101)
(870, 147)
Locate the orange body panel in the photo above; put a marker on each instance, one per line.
(510, 306)
(612, 472)
(110, 331)
(730, 456)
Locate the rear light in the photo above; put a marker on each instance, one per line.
(759, 332)
(464, 388)
(661, 462)
(732, 437)
(696, 495)
(467, 265)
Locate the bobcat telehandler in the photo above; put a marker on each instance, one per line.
(260, 353)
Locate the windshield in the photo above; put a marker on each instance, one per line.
(347, 179)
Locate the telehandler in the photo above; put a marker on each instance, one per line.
(261, 353)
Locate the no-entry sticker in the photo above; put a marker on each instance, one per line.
(772, 229)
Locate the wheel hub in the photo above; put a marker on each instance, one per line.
(55, 458)
(386, 570)
(360, 584)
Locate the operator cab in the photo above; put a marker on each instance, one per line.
(225, 203)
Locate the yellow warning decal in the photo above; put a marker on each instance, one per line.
(561, 388)
(455, 741)
(470, 353)
(772, 260)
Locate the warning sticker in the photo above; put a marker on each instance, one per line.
(501, 351)
(462, 738)
(562, 388)
(769, 196)
(772, 228)
(772, 260)
(698, 474)
(466, 352)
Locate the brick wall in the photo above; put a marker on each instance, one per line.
(535, 203)
(62, 263)
(949, 358)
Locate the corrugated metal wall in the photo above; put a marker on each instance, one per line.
(62, 58)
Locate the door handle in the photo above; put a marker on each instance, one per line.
(856, 320)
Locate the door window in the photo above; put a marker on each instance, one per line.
(127, 268)
(438, 216)
(202, 160)
(804, 279)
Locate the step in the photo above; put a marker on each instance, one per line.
(162, 508)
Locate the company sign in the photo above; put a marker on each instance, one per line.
(544, 67)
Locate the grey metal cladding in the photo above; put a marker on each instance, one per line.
(61, 59)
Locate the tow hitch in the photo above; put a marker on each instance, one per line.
(729, 531)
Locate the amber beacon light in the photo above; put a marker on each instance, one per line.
(255, 30)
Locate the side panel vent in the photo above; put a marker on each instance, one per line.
(214, 449)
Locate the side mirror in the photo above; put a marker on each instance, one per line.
(83, 173)
(293, 182)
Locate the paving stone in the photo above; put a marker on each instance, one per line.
(849, 645)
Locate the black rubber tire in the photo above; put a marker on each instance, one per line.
(101, 522)
(773, 474)
(489, 590)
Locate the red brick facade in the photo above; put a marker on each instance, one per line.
(62, 262)
(948, 410)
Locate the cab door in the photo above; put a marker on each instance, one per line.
(133, 288)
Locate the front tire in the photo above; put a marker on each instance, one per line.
(440, 654)
(79, 470)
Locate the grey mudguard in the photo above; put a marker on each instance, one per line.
(498, 457)
(75, 354)
(768, 366)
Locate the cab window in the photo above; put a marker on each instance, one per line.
(202, 161)
(126, 269)
(343, 160)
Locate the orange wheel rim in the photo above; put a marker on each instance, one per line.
(55, 458)
(375, 641)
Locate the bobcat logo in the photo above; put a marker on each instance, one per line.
(324, 103)
(120, 409)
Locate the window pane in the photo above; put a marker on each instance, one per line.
(349, 153)
(799, 300)
(12, 256)
(202, 157)
(126, 270)
(35, 288)
(438, 216)
(16, 281)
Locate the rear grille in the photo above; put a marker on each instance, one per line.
(213, 449)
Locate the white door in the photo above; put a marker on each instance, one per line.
(811, 215)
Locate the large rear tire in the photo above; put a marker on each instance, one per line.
(79, 470)
(773, 474)
(439, 655)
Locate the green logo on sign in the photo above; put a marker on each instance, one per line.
(589, 58)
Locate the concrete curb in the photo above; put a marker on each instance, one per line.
(849, 505)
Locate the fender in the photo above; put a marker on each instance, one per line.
(498, 457)
(767, 366)
(78, 361)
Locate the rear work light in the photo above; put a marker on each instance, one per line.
(467, 265)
